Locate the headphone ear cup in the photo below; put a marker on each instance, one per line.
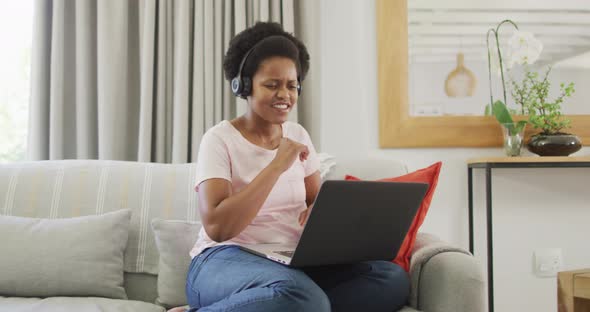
(246, 87)
(236, 86)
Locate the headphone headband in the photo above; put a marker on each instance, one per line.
(242, 86)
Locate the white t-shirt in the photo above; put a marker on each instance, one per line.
(225, 153)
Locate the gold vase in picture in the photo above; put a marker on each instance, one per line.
(461, 81)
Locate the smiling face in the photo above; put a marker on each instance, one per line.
(274, 89)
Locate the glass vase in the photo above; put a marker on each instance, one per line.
(513, 139)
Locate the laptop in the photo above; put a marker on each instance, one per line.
(351, 221)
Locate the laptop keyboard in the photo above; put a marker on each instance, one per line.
(286, 253)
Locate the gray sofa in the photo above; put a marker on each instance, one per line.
(153, 252)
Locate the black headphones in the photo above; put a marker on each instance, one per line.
(242, 86)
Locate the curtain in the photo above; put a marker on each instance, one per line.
(138, 80)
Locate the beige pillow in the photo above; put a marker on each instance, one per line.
(174, 239)
(80, 256)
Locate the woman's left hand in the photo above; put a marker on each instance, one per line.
(304, 214)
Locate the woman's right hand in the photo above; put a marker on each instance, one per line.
(288, 152)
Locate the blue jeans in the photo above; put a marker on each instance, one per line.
(226, 278)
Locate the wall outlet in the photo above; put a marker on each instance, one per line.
(427, 110)
(547, 262)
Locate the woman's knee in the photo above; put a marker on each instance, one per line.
(394, 279)
(303, 294)
(391, 273)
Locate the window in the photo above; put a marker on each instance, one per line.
(16, 25)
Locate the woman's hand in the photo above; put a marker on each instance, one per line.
(304, 214)
(288, 152)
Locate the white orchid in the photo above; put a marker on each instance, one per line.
(523, 48)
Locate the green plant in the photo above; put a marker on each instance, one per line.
(532, 95)
(503, 115)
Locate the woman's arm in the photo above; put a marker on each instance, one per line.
(312, 187)
(224, 214)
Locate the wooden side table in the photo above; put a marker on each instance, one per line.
(490, 163)
(573, 291)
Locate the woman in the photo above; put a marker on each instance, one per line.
(257, 178)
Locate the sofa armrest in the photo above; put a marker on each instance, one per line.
(445, 278)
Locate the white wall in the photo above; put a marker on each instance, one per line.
(431, 77)
(533, 208)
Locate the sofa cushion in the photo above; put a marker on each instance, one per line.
(80, 256)
(72, 188)
(86, 304)
(370, 168)
(426, 175)
(174, 239)
(408, 309)
(141, 286)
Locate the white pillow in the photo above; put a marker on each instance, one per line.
(80, 256)
(174, 239)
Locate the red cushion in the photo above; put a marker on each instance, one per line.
(426, 175)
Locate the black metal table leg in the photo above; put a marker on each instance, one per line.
(506, 162)
(490, 239)
(470, 200)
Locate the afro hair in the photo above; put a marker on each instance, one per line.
(247, 39)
